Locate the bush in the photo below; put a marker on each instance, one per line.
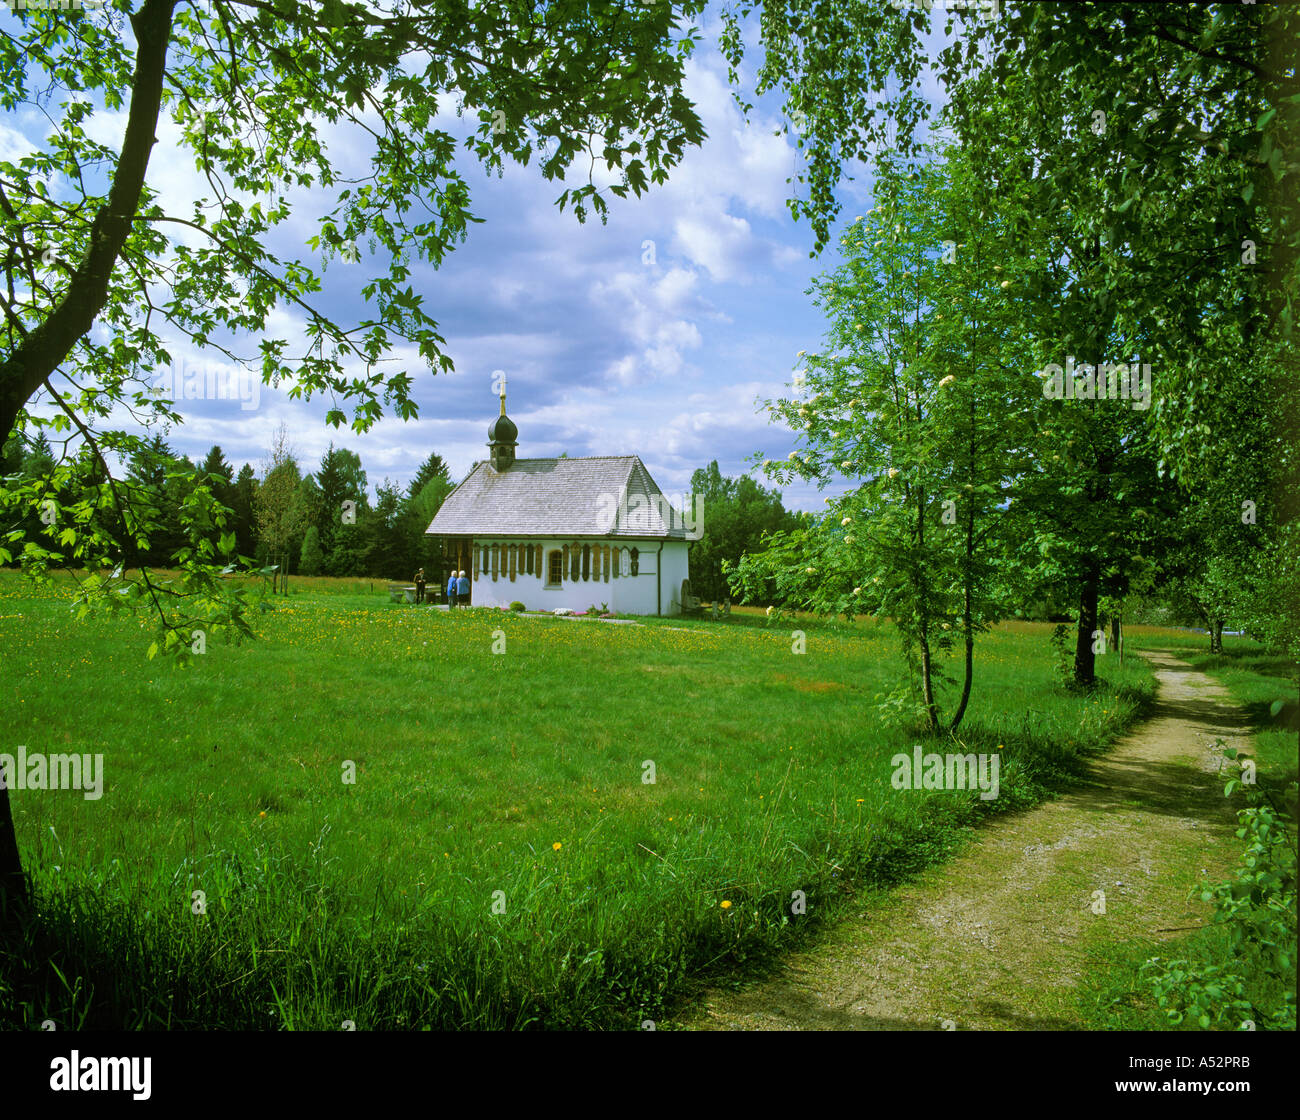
(516, 605)
(1258, 910)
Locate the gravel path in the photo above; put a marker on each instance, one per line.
(996, 938)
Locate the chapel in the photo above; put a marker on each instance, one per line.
(574, 533)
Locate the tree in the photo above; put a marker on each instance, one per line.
(1166, 231)
(307, 512)
(919, 405)
(38, 460)
(159, 482)
(279, 513)
(11, 457)
(343, 494)
(242, 500)
(1230, 532)
(312, 557)
(737, 512)
(23, 466)
(416, 550)
(215, 467)
(433, 467)
(1164, 178)
(384, 552)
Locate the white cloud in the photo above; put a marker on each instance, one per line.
(720, 243)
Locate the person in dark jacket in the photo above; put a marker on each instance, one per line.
(419, 586)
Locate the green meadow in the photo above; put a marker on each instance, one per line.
(402, 818)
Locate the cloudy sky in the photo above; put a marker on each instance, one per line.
(655, 334)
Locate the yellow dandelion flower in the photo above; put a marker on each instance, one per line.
(556, 846)
(725, 904)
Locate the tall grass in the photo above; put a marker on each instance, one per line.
(500, 861)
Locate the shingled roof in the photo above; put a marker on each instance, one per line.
(600, 496)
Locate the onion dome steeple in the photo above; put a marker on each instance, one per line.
(503, 436)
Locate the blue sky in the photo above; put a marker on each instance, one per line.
(604, 353)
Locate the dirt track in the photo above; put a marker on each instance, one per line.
(996, 938)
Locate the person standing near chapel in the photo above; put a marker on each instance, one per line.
(462, 588)
(451, 592)
(418, 580)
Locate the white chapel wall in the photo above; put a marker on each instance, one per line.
(625, 594)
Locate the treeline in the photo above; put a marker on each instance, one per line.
(320, 522)
(317, 522)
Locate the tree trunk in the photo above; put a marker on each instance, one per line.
(47, 345)
(1216, 636)
(966, 611)
(13, 882)
(927, 685)
(1085, 661)
(927, 669)
(1116, 638)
